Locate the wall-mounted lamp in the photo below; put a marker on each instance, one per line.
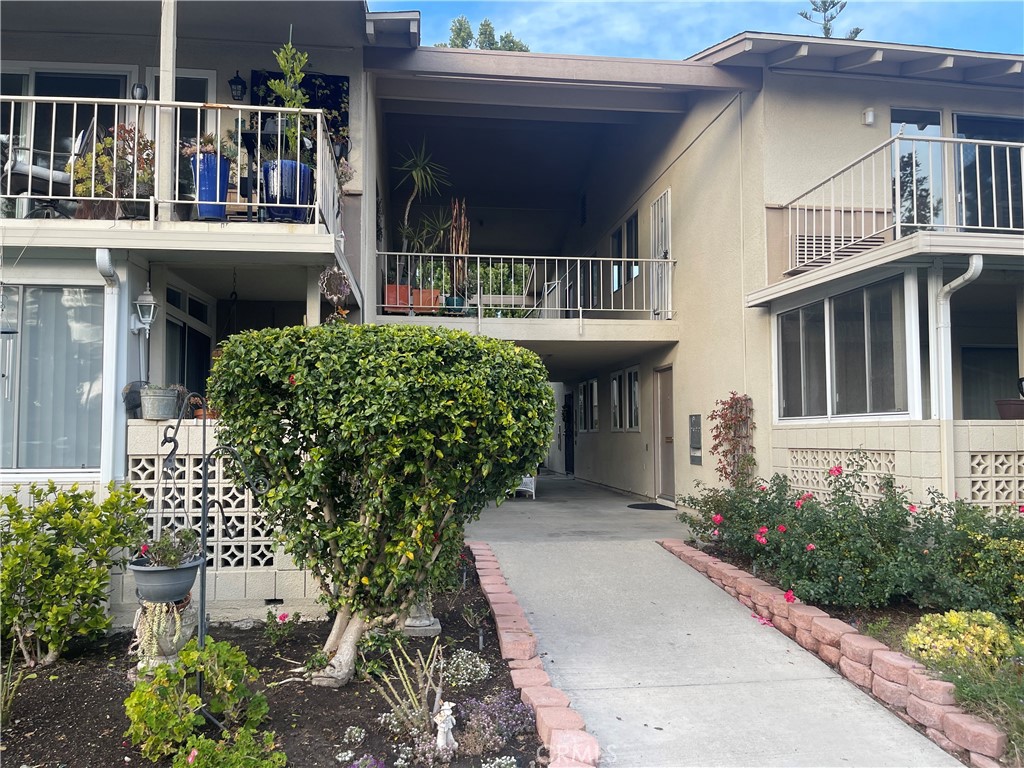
(867, 117)
(145, 312)
(238, 87)
(140, 92)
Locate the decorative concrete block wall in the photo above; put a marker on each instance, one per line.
(902, 684)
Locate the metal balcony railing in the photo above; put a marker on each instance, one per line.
(117, 158)
(538, 287)
(908, 185)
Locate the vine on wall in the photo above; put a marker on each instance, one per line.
(732, 435)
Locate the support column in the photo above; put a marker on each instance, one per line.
(1020, 331)
(313, 296)
(166, 151)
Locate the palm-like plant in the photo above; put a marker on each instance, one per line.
(426, 178)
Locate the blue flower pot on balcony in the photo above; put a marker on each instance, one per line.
(211, 176)
(279, 187)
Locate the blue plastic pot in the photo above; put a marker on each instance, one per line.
(287, 182)
(211, 179)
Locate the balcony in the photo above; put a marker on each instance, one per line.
(65, 158)
(906, 186)
(523, 288)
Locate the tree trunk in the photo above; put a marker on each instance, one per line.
(337, 631)
(343, 666)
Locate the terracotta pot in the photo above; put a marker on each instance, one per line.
(1012, 408)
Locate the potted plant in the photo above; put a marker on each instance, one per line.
(287, 178)
(165, 569)
(211, 171)
(120, 166)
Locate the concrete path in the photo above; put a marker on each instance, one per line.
(665, 668)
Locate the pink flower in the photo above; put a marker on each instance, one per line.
(811, 547)
(790, 597)
(1021, 509)
(912, 509)
(192, 756)
(717, 519)
(762, 620)
(780, 528)
(714, 532)
(291, 378)
(836, 471)
(763, 530)
(760, 539)
(283, 618)
(807, 496)
(798, 503)
(763, 488)
(144, 548)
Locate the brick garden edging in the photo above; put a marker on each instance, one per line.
(896, 680)
(559, 727)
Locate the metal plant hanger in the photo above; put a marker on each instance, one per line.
(257, 483)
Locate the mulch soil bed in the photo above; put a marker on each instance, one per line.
(72, 714)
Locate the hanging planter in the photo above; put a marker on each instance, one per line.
(162, 583)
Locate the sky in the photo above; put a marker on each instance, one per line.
(679, 29)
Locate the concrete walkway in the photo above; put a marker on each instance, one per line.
(666, 668)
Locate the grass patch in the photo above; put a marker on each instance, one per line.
(995, 695)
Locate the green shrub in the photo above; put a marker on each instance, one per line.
(164, 711)
(958, 638)
(242, 751)
(56, 553)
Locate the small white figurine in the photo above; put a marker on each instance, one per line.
(445, 725)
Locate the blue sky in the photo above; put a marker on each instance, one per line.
(676, 30)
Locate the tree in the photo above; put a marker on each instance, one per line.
(461, 33)
(829, 10)
(462, 37)
(379, 443)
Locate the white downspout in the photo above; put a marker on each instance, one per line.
(112, 437)
(944, 353)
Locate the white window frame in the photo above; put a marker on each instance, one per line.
(586, 394)
(825, 293)
(617, 401)
(631, 400)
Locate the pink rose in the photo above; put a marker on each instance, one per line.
(765, 488)
(811, 547)
(714, 532)
(798, 503)
(912, 509)
(763, 530)
(717, 519)
(283, 618)
(790, 597)
(780, 528)
(836, 471)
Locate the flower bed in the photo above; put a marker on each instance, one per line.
(902, 684)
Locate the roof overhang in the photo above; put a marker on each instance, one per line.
(530, 79)
(921, 246)
(393, 28)
(862, 57)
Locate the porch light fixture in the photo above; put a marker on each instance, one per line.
(238, 87)
(145, 312)
(140, 92)
(867, 117)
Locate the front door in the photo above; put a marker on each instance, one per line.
(569, 420)
(666, 458)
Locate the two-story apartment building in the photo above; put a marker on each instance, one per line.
(833, 227)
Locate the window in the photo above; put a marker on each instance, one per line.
(633, 399)
(188, 348)
(586, 414)
(625, 249)
(616, 401)
(51, 354)
(919, 165)
(866, 336)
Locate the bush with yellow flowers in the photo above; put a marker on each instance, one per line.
(959, 637)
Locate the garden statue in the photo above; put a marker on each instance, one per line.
(445, 725)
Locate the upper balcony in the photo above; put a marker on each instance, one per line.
(74, 159)
(903, 187)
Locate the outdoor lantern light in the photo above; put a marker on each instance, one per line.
(140, 92)
(867, 117)
(238, 87)
(145, 311)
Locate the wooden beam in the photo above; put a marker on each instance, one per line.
(990, 71)
(927, 64)
(788, 54)
(860, 59)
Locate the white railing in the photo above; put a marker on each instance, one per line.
(96, 158)
(904, 186)
(540, 287)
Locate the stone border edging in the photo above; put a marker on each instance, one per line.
(559, 727)
(899, 682)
